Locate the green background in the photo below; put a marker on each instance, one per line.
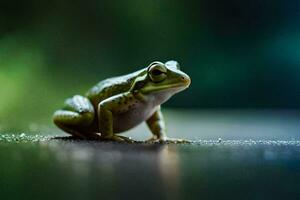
(239, 54)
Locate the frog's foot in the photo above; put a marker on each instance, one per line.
(128, 139)
(118, 138)
(167, 140)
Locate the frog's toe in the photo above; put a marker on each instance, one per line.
(153, 139)
(127, 139)
(167, 140)
(118, 138)
(175, 140)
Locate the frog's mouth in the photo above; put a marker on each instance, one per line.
(175, 86)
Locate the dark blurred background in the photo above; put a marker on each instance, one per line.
(239, 54)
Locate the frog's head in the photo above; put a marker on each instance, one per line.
(163, 80)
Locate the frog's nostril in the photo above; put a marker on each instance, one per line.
(186, 79)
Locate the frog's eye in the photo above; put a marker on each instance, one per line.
(157, 72)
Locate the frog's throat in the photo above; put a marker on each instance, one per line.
(150, 89)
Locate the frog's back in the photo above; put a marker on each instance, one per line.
(110, 87)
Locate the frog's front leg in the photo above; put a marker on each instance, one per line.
(157, 126)
(106, 110)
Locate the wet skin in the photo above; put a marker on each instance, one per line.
(118, 104)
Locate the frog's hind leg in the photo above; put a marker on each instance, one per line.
(76, 118)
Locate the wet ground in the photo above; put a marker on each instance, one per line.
(236, 155)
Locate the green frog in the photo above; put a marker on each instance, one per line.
(118, 104)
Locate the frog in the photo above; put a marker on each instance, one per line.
(117, 104)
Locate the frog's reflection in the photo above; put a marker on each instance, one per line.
(126, 166)
(168, 163)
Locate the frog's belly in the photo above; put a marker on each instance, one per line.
(131, 118)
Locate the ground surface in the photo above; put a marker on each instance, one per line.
(236, 155)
